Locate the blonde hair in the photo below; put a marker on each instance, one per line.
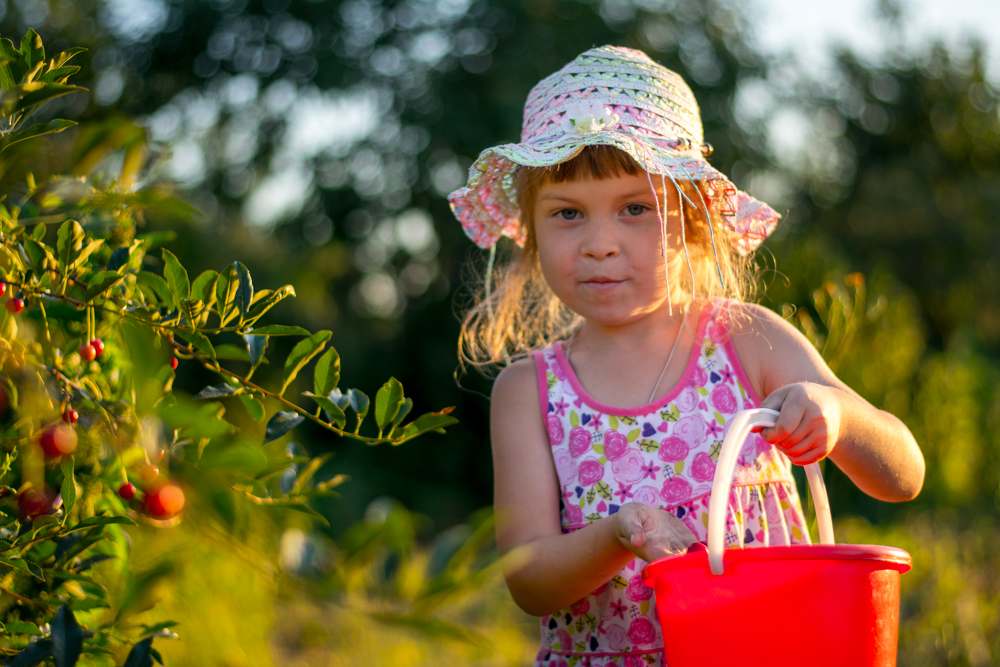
(514, 312)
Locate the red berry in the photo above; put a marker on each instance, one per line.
(32, 502)
(148, 472)
(58, 439)
(98, 346)
(166, 501)
(173, 363)
(14, 306)
(70, 416)
(3, 288)
(127, 491)
(88, 352)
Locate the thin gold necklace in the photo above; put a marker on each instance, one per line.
(673, 348)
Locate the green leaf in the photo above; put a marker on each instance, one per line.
(157, 287)
(218, 391)
(244, 291)
(228, 351)
(22, 628)
(38, 233)
(280, 330)
(88, 249)
(266, 300)
(9, 54)
(256, 344)
(90, 522)
(280, 424)
(203, 287)
(68, 489)
(359, 402)
(253, 406)
(67, 638)
(327, 373)
(32, 51)
(388, 400)
(22, 97)
(119, 259)
(151, 240)
(141, 654)
(301, 354)
(37, 254)
(25, 566)
(176, 276)
(100, 283)
(33, 654)
(404, 410)
(431, 421)
(36, 130)
(225, 292)
(334, 410)
(69, 241)
(200, 342)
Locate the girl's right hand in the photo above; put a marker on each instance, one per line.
(650, 533)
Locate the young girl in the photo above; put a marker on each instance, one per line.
(628, 350)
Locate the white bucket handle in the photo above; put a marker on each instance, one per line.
(742, 425)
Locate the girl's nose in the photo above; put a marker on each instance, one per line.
(600, 241)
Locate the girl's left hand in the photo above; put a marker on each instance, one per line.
(809, 424)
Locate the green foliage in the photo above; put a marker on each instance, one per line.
(61, 518)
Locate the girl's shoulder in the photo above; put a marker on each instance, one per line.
(517, 385)
(772, 351)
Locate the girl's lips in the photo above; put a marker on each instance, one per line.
(602, 284)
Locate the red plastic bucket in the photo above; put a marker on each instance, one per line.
(821, 606)
(828, 605)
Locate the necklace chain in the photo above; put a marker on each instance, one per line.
(673, 348)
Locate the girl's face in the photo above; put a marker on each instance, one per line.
(599, 246)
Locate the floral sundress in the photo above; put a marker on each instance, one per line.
(663, 455)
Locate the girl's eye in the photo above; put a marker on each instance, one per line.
(635, 209)
(568, 214)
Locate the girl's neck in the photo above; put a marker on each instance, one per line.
(649, 331)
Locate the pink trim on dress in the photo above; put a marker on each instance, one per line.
(543, 386)
(649, 407)
(724, 306)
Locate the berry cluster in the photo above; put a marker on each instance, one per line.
(14, 305)
(161, 499)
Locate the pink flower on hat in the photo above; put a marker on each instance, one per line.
(585, 117)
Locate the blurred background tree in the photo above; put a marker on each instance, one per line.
(318, 138)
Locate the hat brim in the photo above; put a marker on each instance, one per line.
(487, 206)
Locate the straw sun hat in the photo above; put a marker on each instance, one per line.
(606, 96)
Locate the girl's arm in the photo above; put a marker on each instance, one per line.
(820, 415)
(545, 570)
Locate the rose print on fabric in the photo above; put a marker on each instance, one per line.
(673, 449)
(690, 429)
(556, 433)
(723, 399)
(580, 607)
(628, 469)
(574, 514)
(646, 495)
(675, 490)
(579, 441)
(698, 378)
(590, 472)
(633, 661)
(703, 467)
(565, 466)
(565, 643)
(617, 640)
(687, 400)
(615, 445)
(641, 632)
(638, 591)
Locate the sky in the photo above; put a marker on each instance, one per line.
(810, 28)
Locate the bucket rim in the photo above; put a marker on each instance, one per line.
(893, 557)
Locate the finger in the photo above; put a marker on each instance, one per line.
(775, 399)
(786, 424)
(809, 451)
(638, 539)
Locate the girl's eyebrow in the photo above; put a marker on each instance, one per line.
(627, 195)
